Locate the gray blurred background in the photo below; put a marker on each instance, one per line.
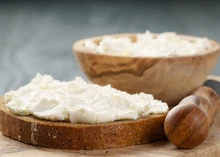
(37, 36)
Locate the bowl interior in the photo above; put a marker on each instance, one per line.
(80, 47)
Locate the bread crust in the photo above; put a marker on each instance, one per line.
(65, 135)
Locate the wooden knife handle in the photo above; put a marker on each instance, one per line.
(187, 124)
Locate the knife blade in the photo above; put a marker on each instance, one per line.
(215, 85)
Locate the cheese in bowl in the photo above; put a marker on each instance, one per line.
(167, 44)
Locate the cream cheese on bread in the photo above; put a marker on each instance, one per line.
(79, 102)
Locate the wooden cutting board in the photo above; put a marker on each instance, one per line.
(162, 148)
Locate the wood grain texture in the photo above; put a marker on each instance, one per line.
(169, 79)
(187, 124)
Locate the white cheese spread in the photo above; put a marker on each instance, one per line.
(167, 44)
(79, 102)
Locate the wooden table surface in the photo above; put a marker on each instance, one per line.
(161, 148)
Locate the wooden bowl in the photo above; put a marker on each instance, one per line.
(169, 79)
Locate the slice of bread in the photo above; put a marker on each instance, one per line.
(66, 135)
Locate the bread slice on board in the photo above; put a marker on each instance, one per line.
(65, 135)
